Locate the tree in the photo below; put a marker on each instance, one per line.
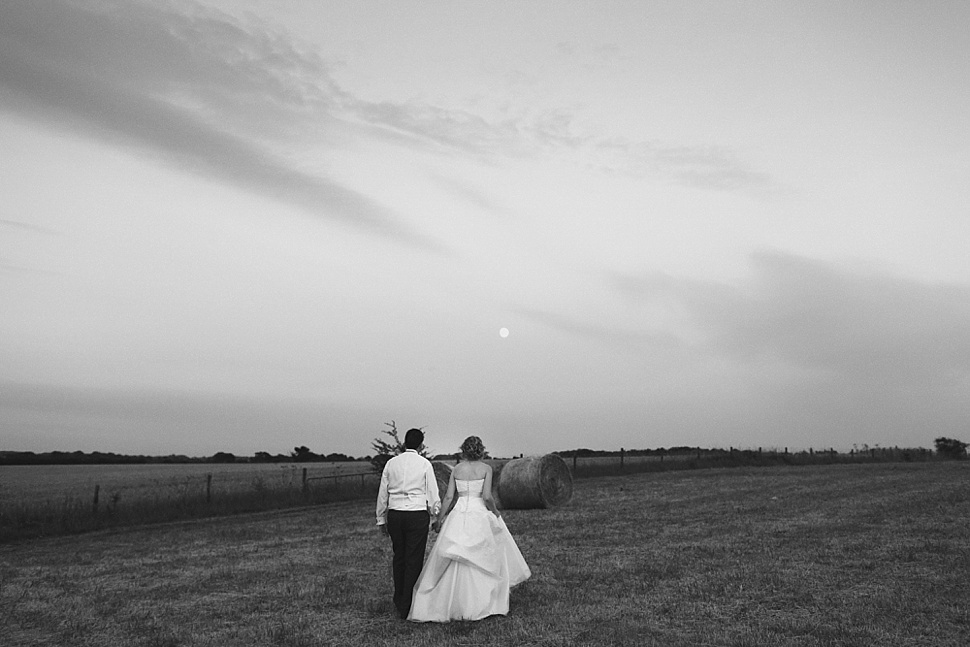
(951, 448)
(303, 454)
(386, 449)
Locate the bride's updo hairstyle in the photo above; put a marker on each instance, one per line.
(473, 449)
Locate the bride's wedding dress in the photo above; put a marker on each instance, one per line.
(472, 566)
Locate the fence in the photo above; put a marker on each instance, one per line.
(125, 501)
(306, 488)
(583, 464)
(214, 494)
(334, 478)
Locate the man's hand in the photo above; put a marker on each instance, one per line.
(383, 528)
(436, 525)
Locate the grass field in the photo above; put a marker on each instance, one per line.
(37, 483)
(49, 500)
(43, 500)
(841, 555)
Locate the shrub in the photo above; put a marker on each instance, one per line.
(951, 448)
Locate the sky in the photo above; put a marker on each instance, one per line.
(250, 225)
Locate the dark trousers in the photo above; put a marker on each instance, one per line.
(409, 537)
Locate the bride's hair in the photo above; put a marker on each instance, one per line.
(473, 448)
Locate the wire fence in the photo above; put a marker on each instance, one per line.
(47, 509)
(123, 501)
(586, 464)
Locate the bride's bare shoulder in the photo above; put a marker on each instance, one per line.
(470, 471)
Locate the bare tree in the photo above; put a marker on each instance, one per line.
(387, 448)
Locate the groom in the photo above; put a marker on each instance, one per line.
(407, 499)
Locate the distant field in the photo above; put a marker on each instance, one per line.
(851, 555)
(39, 483)
(28, 486)
(42, 500)
(55, 482)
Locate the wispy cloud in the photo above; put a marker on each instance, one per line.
(194, 86)
(827, 352)
(16, 225)
(217, 95)
(471, 194)
(612, 333)
(832, 351)
(716, 168)
(857, 323)
(554, 133)
(25, 230)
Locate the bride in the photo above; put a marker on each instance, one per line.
(474, 561)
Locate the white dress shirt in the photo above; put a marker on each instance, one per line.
(407, 483)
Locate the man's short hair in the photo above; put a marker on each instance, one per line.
(413, 439)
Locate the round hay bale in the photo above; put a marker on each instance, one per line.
(535, 482)
(442, 472)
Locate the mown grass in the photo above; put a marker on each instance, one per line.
(823, 555)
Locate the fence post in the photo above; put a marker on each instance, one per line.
(622, 452)
(97, 490)
(208, 488)
(574, 463)
(305, 483)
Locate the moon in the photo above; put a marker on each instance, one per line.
(503, 332)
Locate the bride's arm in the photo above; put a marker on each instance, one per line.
(448, 501)
(487, 493)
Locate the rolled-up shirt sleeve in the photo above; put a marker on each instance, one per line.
(382, 496)
(434, 499)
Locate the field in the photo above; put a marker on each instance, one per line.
(42, 482)
(38, 500)
(853, 554)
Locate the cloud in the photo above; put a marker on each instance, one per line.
(23, 229)
(227, 97)
(819, 315)
(799, 353)
(625, 338)
(201, 90)
(554, 134)
(714, 168)
(827, 346)
(470, 194)
(15, 225)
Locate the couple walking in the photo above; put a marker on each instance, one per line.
(474, 561)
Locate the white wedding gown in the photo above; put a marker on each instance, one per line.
(472, 565)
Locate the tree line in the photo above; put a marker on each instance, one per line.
(300, 454)
(384, 449)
